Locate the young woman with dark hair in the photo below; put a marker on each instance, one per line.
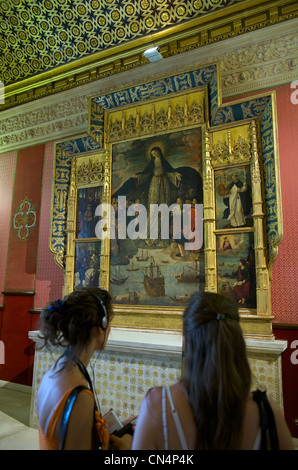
(81, 324)
(212, 408)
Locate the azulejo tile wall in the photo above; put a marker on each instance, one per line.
(121, 377)
(266, 374)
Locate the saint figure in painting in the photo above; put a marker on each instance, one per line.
(162, 175)
(237, 201)
(241, 288)
(160, 183)
(226, 244)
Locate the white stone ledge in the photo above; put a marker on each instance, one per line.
(276, 347)
(145, 341)
(138, 341)
(168, 343)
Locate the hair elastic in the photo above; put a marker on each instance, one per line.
(220, 316)
(58, 306)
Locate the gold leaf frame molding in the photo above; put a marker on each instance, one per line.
(236, 137)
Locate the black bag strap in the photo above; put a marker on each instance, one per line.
(66, 414)
(267, 420)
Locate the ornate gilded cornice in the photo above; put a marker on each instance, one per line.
(185, 29)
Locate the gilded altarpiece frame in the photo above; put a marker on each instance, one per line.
(176, 125)
(237, 138)
(84, 250)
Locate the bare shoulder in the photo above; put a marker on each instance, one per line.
(152, 400)
(83, 408)
(284, 435)
(80, 422)
(85, 399)
(148, 431)
(154, 394)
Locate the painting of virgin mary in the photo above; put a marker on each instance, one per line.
(158, 170)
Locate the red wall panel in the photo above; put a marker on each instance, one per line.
(16, 324)
(284, 274)
(21, 266)
(7, 172)
(290, 376)
(23, 239)
(49, 276)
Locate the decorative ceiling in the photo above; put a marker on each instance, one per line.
(47, 46)
(37, 36)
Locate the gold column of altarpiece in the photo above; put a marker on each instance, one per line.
(225, 150)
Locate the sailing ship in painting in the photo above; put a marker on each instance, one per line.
(127, 298)
(154, 282)
(132, 267)
(191, 274)
(180, 299)
(143, 257)
(117, 278)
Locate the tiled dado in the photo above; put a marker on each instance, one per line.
(135, 361)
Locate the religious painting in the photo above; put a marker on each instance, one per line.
(236, 267)
(88, 199)
(87, 264)
(154, 259)
(233, 197)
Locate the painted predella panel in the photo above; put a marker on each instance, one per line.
(236, 267)
(157, 268)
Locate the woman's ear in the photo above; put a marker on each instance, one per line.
(97, 331)
(100, 330)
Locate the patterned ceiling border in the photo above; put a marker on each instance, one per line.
(237, 19)
(261, 108)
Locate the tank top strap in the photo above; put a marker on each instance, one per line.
(166, 391)
(164, 418)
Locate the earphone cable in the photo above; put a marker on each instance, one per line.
(92, 366)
